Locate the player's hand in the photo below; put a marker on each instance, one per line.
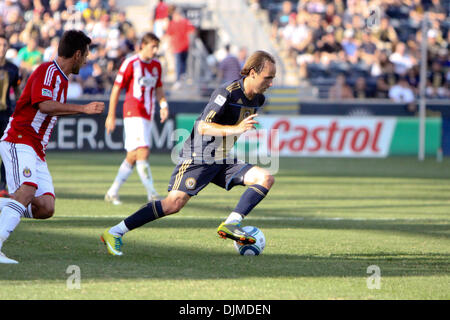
(164, 114)
(94, 107)
(248, 123)
(110, 124)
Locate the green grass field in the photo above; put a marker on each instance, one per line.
(325, 220)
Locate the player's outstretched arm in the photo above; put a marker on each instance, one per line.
(110, 122)
(214, 129)
(55, 108)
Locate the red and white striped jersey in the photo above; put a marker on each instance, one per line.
(140, 79)
(28, 125)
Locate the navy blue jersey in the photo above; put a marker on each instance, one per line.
(228, 105)
(9, 77)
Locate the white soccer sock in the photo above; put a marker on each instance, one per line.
(119, 229)
(3, 202)
(143, 169)
(28, 212)
(234, 217)
(10, 218)
(124, 172)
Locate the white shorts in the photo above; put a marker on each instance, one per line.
(137, 133)
(23, 166)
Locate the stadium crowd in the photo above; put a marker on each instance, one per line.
(34, 28)
(360, 48)
(367, 48)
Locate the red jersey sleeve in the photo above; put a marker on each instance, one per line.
(42, 83)
(124, 75)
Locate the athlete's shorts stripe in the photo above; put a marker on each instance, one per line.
(180, 174)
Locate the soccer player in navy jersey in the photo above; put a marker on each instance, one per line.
(9, 79)
(205, 158)
(24, 142)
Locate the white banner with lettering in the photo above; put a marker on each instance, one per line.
(323, 136)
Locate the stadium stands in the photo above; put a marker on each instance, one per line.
(322, 39)
(318, 40)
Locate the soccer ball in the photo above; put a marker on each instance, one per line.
(252, 249)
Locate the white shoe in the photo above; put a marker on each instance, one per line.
(113, 198)
(6, 260)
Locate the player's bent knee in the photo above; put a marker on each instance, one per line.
(265, 179)
(45, 211)
(270, 180)
(174, 203)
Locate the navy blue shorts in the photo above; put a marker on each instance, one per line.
(191, 177)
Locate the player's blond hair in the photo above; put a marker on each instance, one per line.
(256, 62)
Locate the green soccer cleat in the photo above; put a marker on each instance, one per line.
(234, 232)
(113, 243)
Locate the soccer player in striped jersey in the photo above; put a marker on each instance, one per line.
(23, 145)
(205, 156)
(140, 76)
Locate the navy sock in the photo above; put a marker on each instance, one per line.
(151, 211)
(250, 198)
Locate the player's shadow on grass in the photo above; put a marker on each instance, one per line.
(46, 248)
(47, 256)
(411, 227)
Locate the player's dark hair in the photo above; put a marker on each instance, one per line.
(148, 37)
(256, 62)
(71, 41)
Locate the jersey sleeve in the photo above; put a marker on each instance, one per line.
(159, 80)
(124, 75)
(42, 83)
(216, 104)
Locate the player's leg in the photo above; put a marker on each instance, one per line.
(134, 139)
(145, 172)
(153, 210)
(259, 181)
(20, 163)
(124, 172)
(187, 180)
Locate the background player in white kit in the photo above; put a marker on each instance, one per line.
(26, 137)
(140, 76)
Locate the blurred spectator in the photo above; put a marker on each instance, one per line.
(340, 90)
(437, 82)
(401, 59)
(297, 34)
(229, 68)
(402, 92)
(282, 18)
(242, 56)
(82, 5)
(29, 56)
(160, 18)
(381, 89)
(361, 90)
(178, 32)
(51, 51)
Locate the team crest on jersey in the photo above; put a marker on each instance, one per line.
(155, 72)
(26, 172)
(190, 183)
(148, 81)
